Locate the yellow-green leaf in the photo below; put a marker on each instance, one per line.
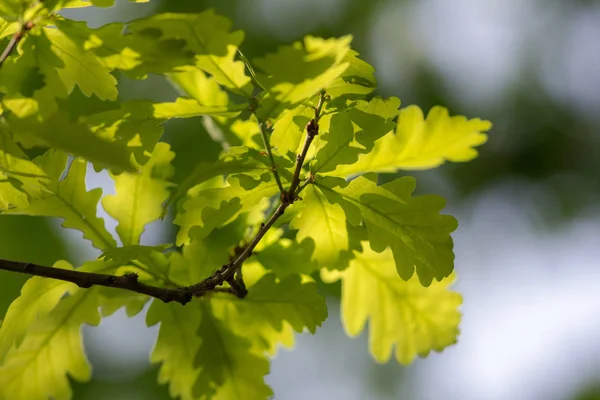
(139, 197)
(324, 223)
(68, 199)
(422, 143)
(402, 314)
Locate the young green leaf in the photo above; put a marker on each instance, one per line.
(324, 223)
(289, 129)
(20, 180)
(236, 160)
(299, 71)
(352, 131)
(188, 108)
(271, 304)
(139, 197)
(412, 227)
(229, 369)
(420, 143)
(52, 348)
(176, 346)
(68, 199)
(208, 36)
(358, 79)
(212, 208)
(43, 334)
(81, 67)
(58, 132)
(402, 314)
(38, 297)
(288, 257)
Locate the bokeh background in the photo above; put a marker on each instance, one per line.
(528, 246)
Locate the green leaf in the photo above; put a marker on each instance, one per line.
(422, 143)
(68, 199)
(212, 208)
(288, 257)
(412, 227)
(38, 297)
(176, 346)
(324, 223)
(71, 137)
(200, 87)
(289, 129)
(187, 108)
(235, 160)
(402, 314)
(110, 3)
(200, 258)
(38, 368)
(49, 347)
(358, 79)
(229, 369)
(81, 68)
(20, 180)
(139, 197)
(135, 54)
(353, 131)
(208, 36)
(297, 72)
(272, 303)
(130, 124)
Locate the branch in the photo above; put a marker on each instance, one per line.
(230, 272)
(88, 279)
(312, 130)
(14, 41)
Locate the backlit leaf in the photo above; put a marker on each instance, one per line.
(402, 314)
(139, 197)
(412, 227)
(68, 199)
(422, 143)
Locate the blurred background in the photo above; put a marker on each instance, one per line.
(528, 245)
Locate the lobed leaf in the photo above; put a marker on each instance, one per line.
(208, 36)
(215, 207)
(422, 143)
(419, 237)
(402, 314)
(324, 223)
(176, 346)
(68, 199)
(299, 71)
(229, 369)
(139, 197)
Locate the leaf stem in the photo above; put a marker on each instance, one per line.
(265, 138)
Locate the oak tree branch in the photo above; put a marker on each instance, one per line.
(230, 272)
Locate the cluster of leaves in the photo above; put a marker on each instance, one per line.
(392, 251)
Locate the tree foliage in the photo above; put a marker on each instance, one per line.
(292, 200)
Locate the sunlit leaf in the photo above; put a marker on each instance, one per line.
(418, 235)
(139, 197)
(405, 318)
(422, 143)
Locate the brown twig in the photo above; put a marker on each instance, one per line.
(14, 41)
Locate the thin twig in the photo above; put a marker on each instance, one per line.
(266, 141)
(14, 41)
(312, 130)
